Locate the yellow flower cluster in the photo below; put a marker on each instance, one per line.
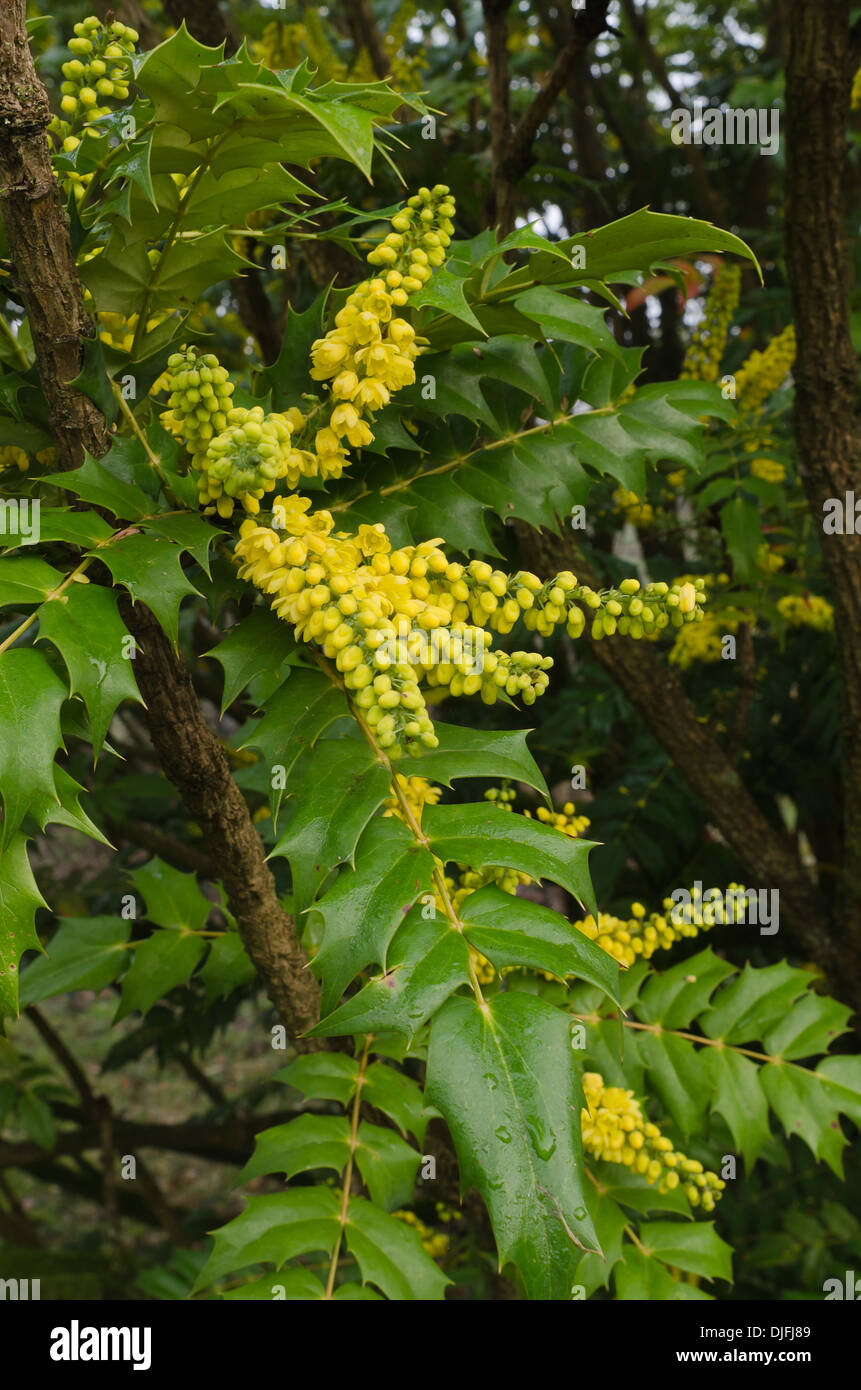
(435, 1242)
(703, 357)
(639, 513)
(565, 820)
(807, 610)
(702, 642)
(418, 792)
(615, 1130)
(118, 330)
(763, 372)
(642, 934)
(98, 70)
(11, 456)
(375, 612)
(768, 469)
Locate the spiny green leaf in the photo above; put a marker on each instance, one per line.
(19, 898)
(94, 482)
(293, 719)
(398, 1096)
(89, 634)
(173, 899)
(807, 1029)
(483, 835)
(806, 1108)
(695, 1247)
(513, 931)
(751, 1004)
(166, 959)
(31, 696)
(343, 786)
(391, 1255)
(638, 1277)
(740, 1099)
(426, 961)
(64, 807)
(25, 580)
(571, 320)
(322, 1075)
(272, 1230)
(260, 642)
(476, 753)
(151, 570)
(364, 909)
(503, 1076)
(227, 967)
(84, 953)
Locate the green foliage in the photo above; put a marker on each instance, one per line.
(465, 1014)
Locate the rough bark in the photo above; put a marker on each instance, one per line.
(195, 763)
(44, 272)
(822, 59)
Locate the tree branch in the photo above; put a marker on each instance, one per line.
(827, 426)
(37, 229)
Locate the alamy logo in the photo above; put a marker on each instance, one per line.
(745, 905)
(847, 1288)
(19, 516)
(20, 1288)
(76, 1343)
(717, 125)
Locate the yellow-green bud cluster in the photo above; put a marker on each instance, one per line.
(97, 71)
(200, 392)
(615, 1131)
(245, 460)
(763, 372)
(496, 600)
(417, 243)
(639, 513)
(706, 349)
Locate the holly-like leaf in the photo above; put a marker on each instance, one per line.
(31, 696)
(173, 899)
(166, 959)
(322, 1075)
(427, 960)
(476, 753)
(387, 1164)
(26, 580)
(446, 291)
(83, 528)
(89, 634)
(294, 718)
(260, 642)
(391, 1255)
(364, 909)
(502, 1074)
(693, 1246)
(94, 482)
(272, 1230)
(571, 320)
(84, 953)
(641, 1278)
(740, 1099)
(19, 899)
(343, 786)
(513, 931)
(151, 569)
(483, 835)
(398, 1096)
(227, 967)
